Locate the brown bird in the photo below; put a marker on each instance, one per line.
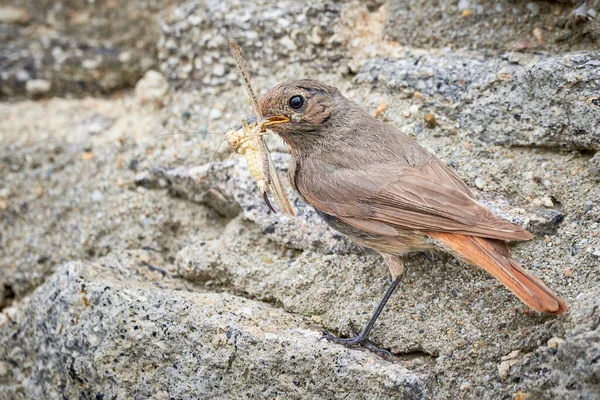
(371, 182)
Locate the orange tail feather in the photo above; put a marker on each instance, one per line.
(485, 254)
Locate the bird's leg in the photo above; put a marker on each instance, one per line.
(397, 269)
(361, 339)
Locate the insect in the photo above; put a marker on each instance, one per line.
(248, 140)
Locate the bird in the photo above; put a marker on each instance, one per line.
(369, 181)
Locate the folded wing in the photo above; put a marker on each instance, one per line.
(430, 197)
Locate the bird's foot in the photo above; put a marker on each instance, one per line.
(356, 341)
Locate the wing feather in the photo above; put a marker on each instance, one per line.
(430, 197)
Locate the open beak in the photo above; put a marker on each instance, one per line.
(280, 119)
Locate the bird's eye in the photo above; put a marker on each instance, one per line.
(296, 102)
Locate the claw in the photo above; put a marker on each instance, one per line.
(325, 335)
(268, 202)
(355, 341)
(383, 353)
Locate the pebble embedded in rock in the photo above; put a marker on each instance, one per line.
(219, 70)
(288, 43)
(4, 368)
(414, 109)
(152, 88)
(37, 87)
(555, 342)
(581, 11)
(533, 8)
(547, 202)
(430, 120)
(97, 196)
(14, 15)
(215, 113)
(529, 188)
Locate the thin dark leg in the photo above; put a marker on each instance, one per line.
(361, 339)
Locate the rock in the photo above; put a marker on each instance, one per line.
(529, 188)
(518, 106)
(195, 184)
(507, 362)
(152, 88)
(37, 87)
(79, 47)
(480, 183)
(14, 15)
(544, 221)
(581, 11)
(230, 189)
(81, 199)
(215, 113)
(430, 120)
(149, 311)
(595, 165)
(97, 196)
(572, 366)
(4, 368)
(269, 34)
(555, 342)
(537, 220)
(503, 26)
(110, 332)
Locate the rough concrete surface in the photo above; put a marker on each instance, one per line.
(543, 101)
(138, 260)
(75, 47)
(509, 25)
(116, 334)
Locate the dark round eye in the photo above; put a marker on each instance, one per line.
(296, 102)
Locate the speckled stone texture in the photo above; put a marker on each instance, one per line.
(76, 47)
(544, 101)
(102, 331)
(135, 263)
(499, 25)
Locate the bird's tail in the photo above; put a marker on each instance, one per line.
(494, 257)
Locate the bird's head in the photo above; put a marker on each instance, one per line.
(298, 110)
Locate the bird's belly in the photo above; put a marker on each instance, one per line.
(404, 242)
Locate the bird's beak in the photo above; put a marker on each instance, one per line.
(279, 119)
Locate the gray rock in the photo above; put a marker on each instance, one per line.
(551, 102)
(78, 47)
(445, 315)
(13, 15)
(194, 47)
(37, 87)
(566, 368)
(147, 313)
(229, 189)
(54, 211)
(503, 25)
(108, 332)
(152, 88)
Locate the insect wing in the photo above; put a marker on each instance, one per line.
(267, 166)
(276, 187)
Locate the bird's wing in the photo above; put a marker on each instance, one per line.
(379, 199)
